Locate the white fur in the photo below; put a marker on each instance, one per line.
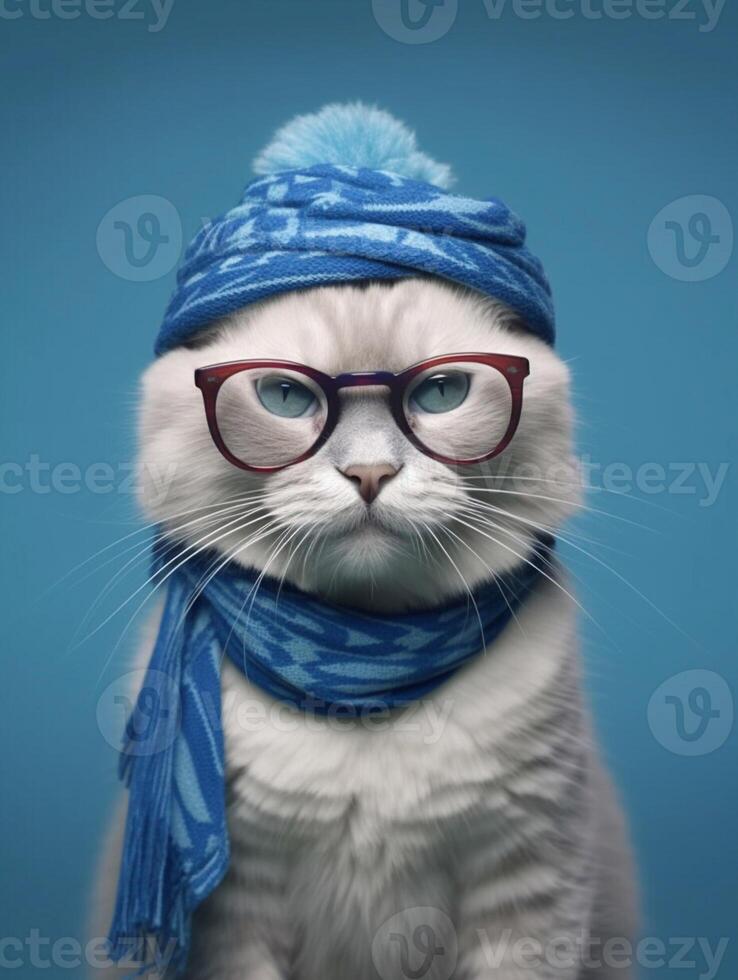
(486, 801)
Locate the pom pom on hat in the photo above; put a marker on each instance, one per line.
(351, 135)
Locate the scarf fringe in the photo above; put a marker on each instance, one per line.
(152, 916)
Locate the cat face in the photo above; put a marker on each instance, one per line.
(369, 519)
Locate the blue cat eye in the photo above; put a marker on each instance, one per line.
(441, 392)
(285, 397)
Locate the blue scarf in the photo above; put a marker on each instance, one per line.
(316, 656)
(329, 224)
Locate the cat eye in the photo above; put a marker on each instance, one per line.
(440, 392)
(458, 409)
(285, 396)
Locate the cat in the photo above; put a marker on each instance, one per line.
(442, 840)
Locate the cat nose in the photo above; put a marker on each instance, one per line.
(370, 479)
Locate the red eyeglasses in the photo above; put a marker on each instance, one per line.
(458, 409)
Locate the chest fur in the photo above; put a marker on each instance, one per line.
(357, 784)
(400, 787)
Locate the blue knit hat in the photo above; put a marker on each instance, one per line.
(346, 196)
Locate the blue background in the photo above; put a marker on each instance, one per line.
(587, 128)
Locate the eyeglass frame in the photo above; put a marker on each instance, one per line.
(514, 369)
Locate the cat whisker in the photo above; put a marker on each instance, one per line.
(539, 526)
(419, 546)
(461, 576)
(525, 542)
(238, 498)
(574, 485)
(200, 545)
(159, 583)
(312, 547)
(290, 556)
(219, 562)
(527, 561)
(144, 553)
(563, 500)
(517, 537)
(282, 543)
(572, 544)
(424, 544)
(493, 575)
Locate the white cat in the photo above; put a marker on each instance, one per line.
(475, 834)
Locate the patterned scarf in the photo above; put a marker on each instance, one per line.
(316, 656)
(329, 224)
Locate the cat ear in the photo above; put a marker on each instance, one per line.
(351, 135)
